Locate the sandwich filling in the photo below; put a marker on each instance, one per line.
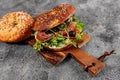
(64, 34)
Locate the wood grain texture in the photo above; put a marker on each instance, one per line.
(88, 62)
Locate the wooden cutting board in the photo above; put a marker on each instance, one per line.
(88, 62)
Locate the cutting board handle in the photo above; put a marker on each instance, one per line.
(88, 62)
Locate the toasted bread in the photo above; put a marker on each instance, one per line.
(54, 17)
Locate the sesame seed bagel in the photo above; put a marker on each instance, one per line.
(53, 17)
(15, 26)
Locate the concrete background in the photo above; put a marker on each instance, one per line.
(102, 20)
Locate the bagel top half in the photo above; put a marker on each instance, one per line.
(53, 17)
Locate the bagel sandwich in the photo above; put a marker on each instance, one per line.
(57, 29)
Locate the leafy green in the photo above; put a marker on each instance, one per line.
(60, 35)
(74, 43)
(74, 18)
(53, 41)
(78, 36)
(60, 38)
(38, 46)
(56, 41)
(80, 26)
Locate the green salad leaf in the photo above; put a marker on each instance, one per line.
(53, 41)
(74, 18)
(80, 26)
(74, 43)
(56, 41)
(78, 36)
(38, 46)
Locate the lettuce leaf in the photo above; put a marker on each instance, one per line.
(38, 46)
(74, 43)
(78, 36)
(74, 18)
(80, 26)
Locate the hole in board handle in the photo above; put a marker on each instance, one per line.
(87, 68)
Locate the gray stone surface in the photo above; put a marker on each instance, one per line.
(102, 20)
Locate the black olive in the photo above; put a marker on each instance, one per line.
(72, 33)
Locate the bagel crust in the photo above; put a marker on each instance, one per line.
(53, 17)
(15, 26)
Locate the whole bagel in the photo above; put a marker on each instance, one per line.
(15, 26)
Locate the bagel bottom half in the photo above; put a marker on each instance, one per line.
(58, 48)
